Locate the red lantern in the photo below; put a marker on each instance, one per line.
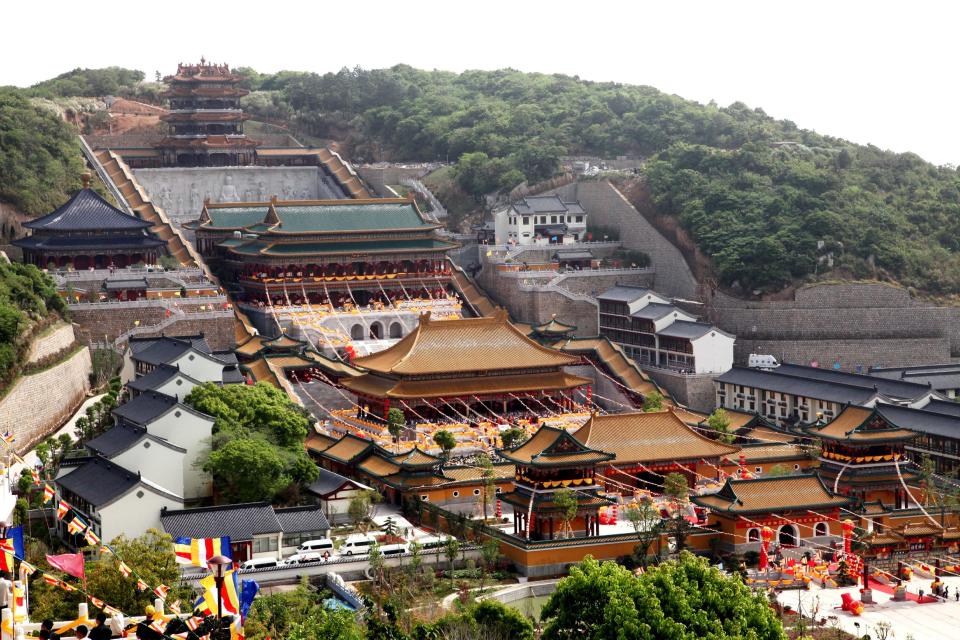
(847, 527)
(499, 509)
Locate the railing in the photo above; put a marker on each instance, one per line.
(104, 176)
(147, 303)
(439, 211)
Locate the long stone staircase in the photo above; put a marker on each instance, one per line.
(139, 202)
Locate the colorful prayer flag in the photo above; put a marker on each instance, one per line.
(91, 537)
(124, 569)
(69, 563)
(141, 585)
(6, 554)
(49, 579)
(97, 602)
(198, 551)
(8, 437)
(76, 526)
(27, 568)
(161, 590)
(48, 493)
(175, 607)
(62, 509)
(36, 476)
(104, 549)
(67, 587)
(110, 611)
(231, 597)
(193, 623)
(158, 625)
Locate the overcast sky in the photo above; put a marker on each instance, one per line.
(873, 72)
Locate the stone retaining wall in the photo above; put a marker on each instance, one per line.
(94, 324)
(57, 340)
(607, 207)
(694, 392)
(38, 404)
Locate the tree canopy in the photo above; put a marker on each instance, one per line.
(40, 163)
(257, 450)
(685, 599)
(91, 83)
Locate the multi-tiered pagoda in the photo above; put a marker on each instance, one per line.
(205, 120)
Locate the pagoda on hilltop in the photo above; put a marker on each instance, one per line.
(205, 119)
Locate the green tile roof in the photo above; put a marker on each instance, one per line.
(235, 217)
(426, 244)
(320, 217)
(348, 217)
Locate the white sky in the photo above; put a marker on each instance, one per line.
(872, 72)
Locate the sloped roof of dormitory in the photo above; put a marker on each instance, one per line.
(100, 482)
(938, 376)
(242, 522)
(159, 376)
(654, 311)
(123, 436)
(546, 204)
(176, 344)
(823, 384)
(625, 293)
(689, 330)
(87, 211)
(149, 406)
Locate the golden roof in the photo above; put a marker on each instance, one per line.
(689, 417)
(649, 437)
(786, 493)
(415, 457)
(554, 326)
(615, 360)
(551, 446)
(373, 385)
(860, 424)
(348, 448)
(739, 419)
(378, 466)
(501, 472)
(463, 345)
(916, 529)
(785, 451)
(766, 434)
(251, 347)
(262, 372)
(318, 442)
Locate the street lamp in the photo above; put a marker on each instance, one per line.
(218, 566)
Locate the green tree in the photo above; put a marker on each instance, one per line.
(389, 527)
(567, 504)
(489, 551)
(513, 437)
(653, 401)
(395, 423)
(362, 507)
(684, 599)
(488, 487)
(450, 550)
(257, 447)
(647, 524)
(445, 441)
(300, 614)
(675, 486)
(926, 473)
(150, 555)
(719, 422)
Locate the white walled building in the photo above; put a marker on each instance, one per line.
(540, 220)
(191, 355)
(334, 492)
(165, 379)
(163, 418)
(113, 500)
(655, 333)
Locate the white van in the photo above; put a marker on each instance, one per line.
(394, 549)
(320, 545)
(761, 361)
(357, 545)
(433, 542)
(259, 563)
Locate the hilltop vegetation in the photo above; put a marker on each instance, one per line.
(89, 83)
(40, 163)
(769, 203)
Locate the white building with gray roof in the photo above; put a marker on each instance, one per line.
(540, 220)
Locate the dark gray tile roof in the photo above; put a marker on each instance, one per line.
(939, 376)
(137, 345)
(99, 481)
(239, 521)
(227, 357)
(574, 254)
(946, 407)
(623, 294)
(541, 204)
(772, 381)
(160, 375)
(127, 241)
(328, 482)
(118, 284)
(145, 408)
(87, 211)
(654, 311)
(299, 519)
(232, 375)
(686, 329)
(938, 424)
(118, 439)
(892, 388)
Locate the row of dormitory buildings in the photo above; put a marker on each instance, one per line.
(794, 395)
(146, 471)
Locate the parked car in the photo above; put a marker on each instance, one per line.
(306, 556)
(319, 545)
(259, 563)
(357, 545)
(394, 549)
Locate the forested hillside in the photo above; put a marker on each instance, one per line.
(769, 203)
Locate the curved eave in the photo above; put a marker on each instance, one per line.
(345, 234)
